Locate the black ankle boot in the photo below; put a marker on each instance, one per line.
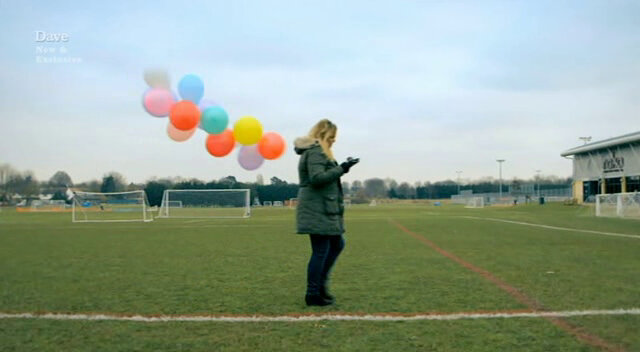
(316, 300)
(326, 295)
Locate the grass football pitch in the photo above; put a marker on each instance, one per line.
(411, 278)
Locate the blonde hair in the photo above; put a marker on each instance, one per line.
(322, 131)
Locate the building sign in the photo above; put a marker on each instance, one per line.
(609, 162)
(613, 163)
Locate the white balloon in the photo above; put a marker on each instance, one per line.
(157, 78)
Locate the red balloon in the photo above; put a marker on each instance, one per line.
(271, 146)
(221, 144)
(184, 115)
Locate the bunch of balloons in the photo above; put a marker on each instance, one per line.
(193, 112)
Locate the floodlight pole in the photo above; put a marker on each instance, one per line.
(458, 172)
(500, 161)
(538, 181)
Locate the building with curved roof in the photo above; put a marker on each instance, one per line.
(607, 166)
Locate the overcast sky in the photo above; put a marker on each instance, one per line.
(419, 90)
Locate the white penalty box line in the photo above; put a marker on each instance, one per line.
(554, 227)
(295, 318)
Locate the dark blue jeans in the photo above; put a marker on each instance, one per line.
(326, 250)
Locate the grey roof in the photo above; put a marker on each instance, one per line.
(624, 139)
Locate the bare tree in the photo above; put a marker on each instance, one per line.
(390, 183)
(60, 179)
(406, 191)
(355, 186)
(345, 188)
(113, 182)
(6, 173)
(23, 183)
(375, 188)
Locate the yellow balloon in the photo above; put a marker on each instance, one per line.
(247, 130)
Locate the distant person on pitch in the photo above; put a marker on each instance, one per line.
(320, 208)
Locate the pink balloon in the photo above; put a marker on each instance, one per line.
(179, 135)
(158, 101)
(249, 157)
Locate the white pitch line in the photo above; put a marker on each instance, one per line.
(555, 227)
(320, 317)
(195, 221)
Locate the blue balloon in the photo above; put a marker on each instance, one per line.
(214, 120)
(191, 88)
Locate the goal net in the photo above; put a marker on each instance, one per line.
(205, 203)
(110, 207)
(624, 205)
(475, 202)
(174, 204)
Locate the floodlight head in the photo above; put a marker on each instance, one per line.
(585, 139)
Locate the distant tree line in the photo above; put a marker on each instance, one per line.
(24, 184)
(278, 190)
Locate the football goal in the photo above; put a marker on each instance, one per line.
(624, 205)
(205, 203)
(43, 205)
(475, 202)
(110, 207)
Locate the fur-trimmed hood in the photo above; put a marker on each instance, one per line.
(303, 143)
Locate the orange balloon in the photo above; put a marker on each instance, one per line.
(184, 115)
(271, 146)
(221, 144)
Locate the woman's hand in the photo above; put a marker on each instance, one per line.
(348, 164)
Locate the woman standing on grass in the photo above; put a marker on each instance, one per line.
(320, 207)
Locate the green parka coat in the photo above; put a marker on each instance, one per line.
(320, 206)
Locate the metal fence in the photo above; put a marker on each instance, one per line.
(549, 195)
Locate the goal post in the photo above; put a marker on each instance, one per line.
(623, 205)
(110, 207)
(205, 203)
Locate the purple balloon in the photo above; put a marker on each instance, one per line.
(206, 103)
(249, 157)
